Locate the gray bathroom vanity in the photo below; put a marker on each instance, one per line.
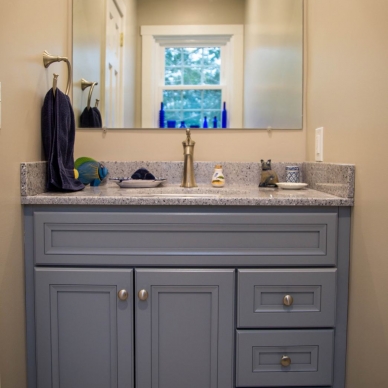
(240, 290)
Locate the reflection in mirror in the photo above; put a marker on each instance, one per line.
(175, 63)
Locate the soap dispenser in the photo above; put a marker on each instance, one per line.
(218, 179)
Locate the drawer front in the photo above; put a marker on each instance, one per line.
(286, 298)
(260, 353)
(207, 239)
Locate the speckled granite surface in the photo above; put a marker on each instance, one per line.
(329, 185)
(32, 178)
(331, 178)
(111, 195)
(238, 174)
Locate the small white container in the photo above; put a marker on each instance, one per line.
(292, 174)
(218, 179)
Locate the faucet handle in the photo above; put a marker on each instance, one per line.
(188, 141)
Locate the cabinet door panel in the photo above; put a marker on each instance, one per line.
(83, 331)
(184, 330)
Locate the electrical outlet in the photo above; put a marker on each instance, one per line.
(319, 144)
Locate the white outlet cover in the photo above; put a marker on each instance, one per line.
(319, 144)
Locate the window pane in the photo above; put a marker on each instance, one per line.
(192, 106)
(172, 99)
(192, 56)
(173, 76)
(192, 118)
(173, 56)
(192, 99)
(212, 99)
(212, 56)
(211, 76)
(192, 66)
(192, 76)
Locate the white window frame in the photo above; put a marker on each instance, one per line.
(156, 38)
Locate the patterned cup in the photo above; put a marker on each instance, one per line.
(292, 174)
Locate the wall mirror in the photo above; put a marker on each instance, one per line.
(210, 63)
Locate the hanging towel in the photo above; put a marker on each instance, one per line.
(90, 118)
(98, 113)
(58, 135)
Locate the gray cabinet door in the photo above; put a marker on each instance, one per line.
(185, 328)
(83, 330)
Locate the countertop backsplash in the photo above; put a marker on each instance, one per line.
(330, 178)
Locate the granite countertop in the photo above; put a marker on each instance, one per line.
(110, 195)
(328, 185)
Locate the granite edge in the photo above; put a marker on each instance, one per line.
(233, 201)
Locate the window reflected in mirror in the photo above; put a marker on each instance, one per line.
(192, 56)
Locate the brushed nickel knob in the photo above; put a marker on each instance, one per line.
(123, 294)
(288, 300)
(142, 294)
(285, 361)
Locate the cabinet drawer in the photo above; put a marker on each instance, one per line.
(286, 298)
(259, 356)
(270, 238)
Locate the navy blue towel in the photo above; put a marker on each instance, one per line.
(98, 113)
(58, 135)
(90, 118)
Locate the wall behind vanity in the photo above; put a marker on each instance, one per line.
(26, 29)
(347, 93)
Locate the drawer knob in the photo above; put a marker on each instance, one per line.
(285, 361)
(123, 294)
(142, 294)
(288, 300)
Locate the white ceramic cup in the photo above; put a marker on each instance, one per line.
(292, 174)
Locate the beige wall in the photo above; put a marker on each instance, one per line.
(348, 95)
(26, 29)
(234, 145)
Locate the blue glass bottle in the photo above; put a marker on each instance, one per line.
(224, 116)
(183, 125)
(215, 122)
(161, 115)
(205, 125)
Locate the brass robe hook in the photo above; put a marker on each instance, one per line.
(86, 84)
(48, 59)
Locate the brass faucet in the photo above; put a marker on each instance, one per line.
(188, 179)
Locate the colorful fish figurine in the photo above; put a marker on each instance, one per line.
(90, 171)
